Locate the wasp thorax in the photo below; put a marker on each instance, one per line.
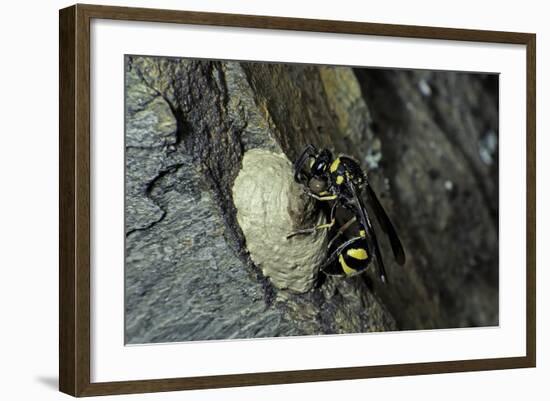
(269, 205)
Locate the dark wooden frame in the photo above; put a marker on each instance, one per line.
(74, 199)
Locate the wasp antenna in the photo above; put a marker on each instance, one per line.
(309, 151)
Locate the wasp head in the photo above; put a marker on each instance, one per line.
(321, 163)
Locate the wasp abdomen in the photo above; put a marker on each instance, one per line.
(355, 257)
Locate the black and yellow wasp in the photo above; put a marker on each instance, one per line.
(342, 181)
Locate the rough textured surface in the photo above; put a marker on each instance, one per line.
(188, 272)
(429, 141)
(269, 204)
(442, 194)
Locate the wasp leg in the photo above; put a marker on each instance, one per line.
(322, 198)
(319, 227)
(341, 231)
(312, 229)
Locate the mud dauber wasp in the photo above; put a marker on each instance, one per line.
(341, 180)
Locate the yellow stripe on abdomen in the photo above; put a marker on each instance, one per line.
(348, 270)
(358, 253)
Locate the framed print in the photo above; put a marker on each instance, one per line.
(250, 200)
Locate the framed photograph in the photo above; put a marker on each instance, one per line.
(250, 200)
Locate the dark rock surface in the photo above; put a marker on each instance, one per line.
(443, 193)
(427, 139)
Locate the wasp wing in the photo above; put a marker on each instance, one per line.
(365, 222)
(386, 225)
